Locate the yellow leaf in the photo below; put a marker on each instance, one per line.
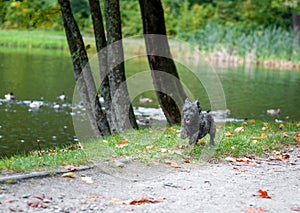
(105, 141)
(281, 126)
(239, 129)
(151, 147)
(69, 175)
(229, 134)
(297, 137)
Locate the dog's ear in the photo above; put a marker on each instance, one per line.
(187, 100)
(197, 103)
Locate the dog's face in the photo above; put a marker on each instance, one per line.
(190, 112)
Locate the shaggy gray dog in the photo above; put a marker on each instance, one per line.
(195, 123)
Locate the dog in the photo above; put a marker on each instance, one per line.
(195, 123)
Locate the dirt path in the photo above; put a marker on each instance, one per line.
(222, 187)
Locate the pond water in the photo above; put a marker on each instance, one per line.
(43, 74)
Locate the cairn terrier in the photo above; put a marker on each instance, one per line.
(195, 123)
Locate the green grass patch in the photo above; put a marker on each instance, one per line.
(33, 39)
(161, 145)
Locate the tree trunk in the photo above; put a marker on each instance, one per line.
(122, 111)
(160, 60)
(296, 27)
(82, 72)
(101, 44)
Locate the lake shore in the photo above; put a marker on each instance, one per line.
(220, 57)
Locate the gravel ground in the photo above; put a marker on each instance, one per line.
(222, 187)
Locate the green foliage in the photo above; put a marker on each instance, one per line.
(30, 14)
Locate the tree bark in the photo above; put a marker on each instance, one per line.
(82, 72)
(296, 27)
(122, 111)
(160, 60)
(101, 44)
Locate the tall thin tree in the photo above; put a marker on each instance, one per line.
(82, 72)
(160, 60)
(122, 110)
(101, 44)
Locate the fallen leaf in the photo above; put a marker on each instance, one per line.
(252, 121)
(93, 197)
(69, 175)
(145, 200)
(285, 135)
(296, 209)
(254, 210)
(229, 134)
(239, 129)
(230, 159)
(172, 164)
(297, 137)
(281, 126)
(202, 141)
(9, 201)
(244, 159)
(186, 161)
(105, 141)
(175, 165)
(36, 204)
(263, 194)
(135, 202)
(16, 210)
(280, 156)
(87, 179)
(150, 147)
(122, 143)
(70, 167)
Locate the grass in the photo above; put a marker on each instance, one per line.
(163, 145)
(33, 39)
(263, 44)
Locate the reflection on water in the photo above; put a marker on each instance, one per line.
(42, 75)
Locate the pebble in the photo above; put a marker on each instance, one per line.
(47, 200)
(26, 195)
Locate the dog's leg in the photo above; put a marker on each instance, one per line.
(212, 133)
(194, 138)
(183, 133)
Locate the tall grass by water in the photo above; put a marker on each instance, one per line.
(270, 46)
(33, 39)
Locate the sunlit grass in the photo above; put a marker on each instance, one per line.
(33, 39)
(158, 145)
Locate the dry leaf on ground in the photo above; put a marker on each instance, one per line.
(229, 134)
(122, 143)
(36, 204)
(254, 210)
(239, 129)
(263, 194)
(70, 167)
(135, 202)
(69, 175)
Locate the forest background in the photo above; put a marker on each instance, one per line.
(243, 30)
